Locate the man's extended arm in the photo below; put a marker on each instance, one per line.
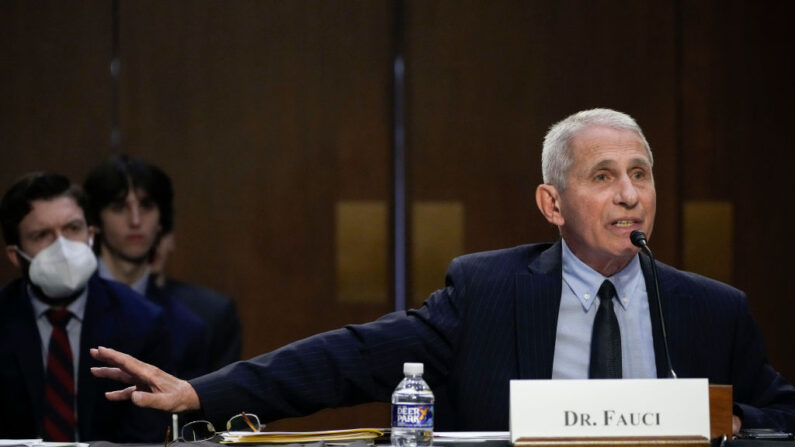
(149, 385)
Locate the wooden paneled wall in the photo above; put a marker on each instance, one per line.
(737, 149)
(268, 115)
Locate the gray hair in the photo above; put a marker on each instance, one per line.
(557, 158)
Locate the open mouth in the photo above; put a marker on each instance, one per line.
(625, 223)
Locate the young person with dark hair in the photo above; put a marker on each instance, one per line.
(131, 203)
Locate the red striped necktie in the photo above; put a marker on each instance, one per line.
(59, 388)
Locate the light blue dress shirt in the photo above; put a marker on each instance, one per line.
(73, 327)
(139, 286)
(578, 306)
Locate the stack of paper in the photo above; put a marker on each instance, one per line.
(471, 436)
(283, 437)
(38, 443)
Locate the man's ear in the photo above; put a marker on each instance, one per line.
(93, 231)
(13, 256)
(548, 201)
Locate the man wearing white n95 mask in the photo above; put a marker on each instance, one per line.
(54, 312)
(60, 271)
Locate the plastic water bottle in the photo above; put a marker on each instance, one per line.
(412, 409)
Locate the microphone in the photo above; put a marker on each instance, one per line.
(638, 239)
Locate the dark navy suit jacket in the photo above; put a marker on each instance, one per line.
(219, 314)
(495, 320)
(189, 347)
(114, 317)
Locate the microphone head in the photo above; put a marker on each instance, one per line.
(638, 238)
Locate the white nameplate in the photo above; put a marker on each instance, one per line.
(612, 408)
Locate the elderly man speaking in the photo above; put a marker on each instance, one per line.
(582, 307)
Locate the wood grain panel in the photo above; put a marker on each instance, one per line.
(361, 251)
(437, 230)
(486, 80)
(738, 96)
(707, 235)
(266, 114)
(55, 89)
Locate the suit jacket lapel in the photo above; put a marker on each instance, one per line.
(537, 306)
(538, 303)
(28, 350)
(668, 292)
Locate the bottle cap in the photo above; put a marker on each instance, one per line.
(413, 369)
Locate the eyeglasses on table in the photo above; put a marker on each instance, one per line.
(197, 431)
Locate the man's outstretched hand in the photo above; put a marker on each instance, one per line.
(149, 385)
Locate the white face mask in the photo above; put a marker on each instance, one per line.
(61, 269)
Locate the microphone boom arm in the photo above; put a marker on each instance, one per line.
(639, 239)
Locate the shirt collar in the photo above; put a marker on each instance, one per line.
(139, 286)
(76, 307)
(584, 282)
